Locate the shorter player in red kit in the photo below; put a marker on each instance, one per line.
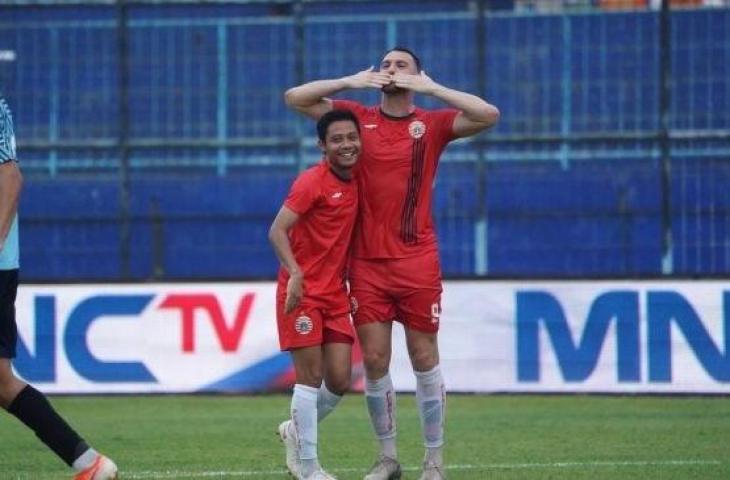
(311, 236)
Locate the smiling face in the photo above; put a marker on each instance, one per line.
(397, 61)
(341, 145)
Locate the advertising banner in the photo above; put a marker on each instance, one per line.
(149, 338)
(542, 336)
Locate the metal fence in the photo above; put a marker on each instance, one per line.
(611, 158)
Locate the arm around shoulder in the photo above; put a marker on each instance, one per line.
(312, 100)
(309, 100)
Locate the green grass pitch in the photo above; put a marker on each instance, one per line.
(488, 437)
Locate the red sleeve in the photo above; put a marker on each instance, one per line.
(442, 121)
(303, 194)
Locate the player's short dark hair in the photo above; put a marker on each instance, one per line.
(409, 52)
(334, 116)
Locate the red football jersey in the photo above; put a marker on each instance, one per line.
(327, 208)
(396, 173)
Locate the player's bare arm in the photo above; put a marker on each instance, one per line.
(11, 182)
(312, 100)
(475, 113)
(279, 238)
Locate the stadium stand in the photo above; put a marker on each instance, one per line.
(182, 180)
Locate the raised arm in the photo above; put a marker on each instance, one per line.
(475, 114)
(312, 100)
(279, 238)
(11, 182)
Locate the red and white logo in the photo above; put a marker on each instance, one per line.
(417, 129)
(303, 325)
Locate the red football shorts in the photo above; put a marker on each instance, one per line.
(407, 290)
(315, 321)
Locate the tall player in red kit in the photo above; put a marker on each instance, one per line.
(311, 235)
(395, 272)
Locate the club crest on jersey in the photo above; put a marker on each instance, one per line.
(417, 129)
(303, 325)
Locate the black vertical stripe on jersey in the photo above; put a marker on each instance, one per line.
(408, 227)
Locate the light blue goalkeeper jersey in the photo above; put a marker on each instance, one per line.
(9, 254)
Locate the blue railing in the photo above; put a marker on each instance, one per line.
(568, 184)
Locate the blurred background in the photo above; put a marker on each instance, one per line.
(156, 145)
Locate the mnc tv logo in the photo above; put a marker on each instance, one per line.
(163, 337)
(644, 323)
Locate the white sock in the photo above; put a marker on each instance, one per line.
(304, 417)
(434, 456)
(431, 399)
(85, 460)
(308, 467)
(326, 402)
(380, 397)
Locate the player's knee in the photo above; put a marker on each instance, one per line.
(337, 378)
(376, 363)
(339, 384)
(424, 359)
(310, 377)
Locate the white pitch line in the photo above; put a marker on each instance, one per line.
(488, 466)
(646, 463)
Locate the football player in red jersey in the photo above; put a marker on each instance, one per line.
(311, 235)
(395, 272)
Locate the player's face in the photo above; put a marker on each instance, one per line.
(395, 62)
(342, 144)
